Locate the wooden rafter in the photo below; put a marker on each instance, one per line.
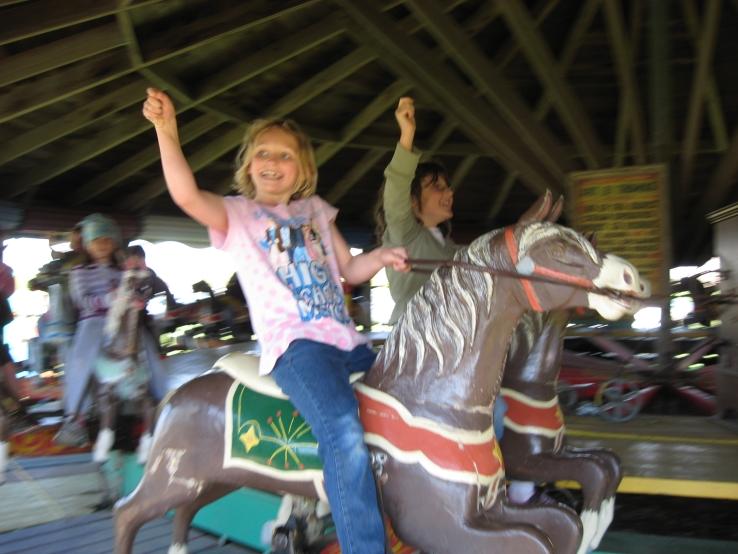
(90, 112)
(706, 48)
(493, 85)
(571, 46)
(386, 99)
(626, 75)
(462, 171)
(625, 115)
(141, 160)
(357, 171)
(407, 57)
(543, 62)
(200, 159)
(56, 15)
(24, 99)
(59, 53)
(712, 95)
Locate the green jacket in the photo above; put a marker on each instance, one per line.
(403, 229)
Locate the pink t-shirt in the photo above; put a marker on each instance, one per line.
(288, 270)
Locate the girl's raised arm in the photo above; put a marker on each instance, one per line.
(202, 206)
(359, 269)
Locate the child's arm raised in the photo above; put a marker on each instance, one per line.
(202, 206)
(361, 268)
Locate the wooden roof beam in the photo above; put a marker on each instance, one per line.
(626, 74)
(357, 171)
(463, 169)
(625, 110)
(24, 99)
(54, 129)
(705, 50)
(544, 64)
(572, 44)
(386, 99)
(493, 85)
(200, 159)
(141, 160)
(59, 53)
(56, 15)
(407, 57)
(712, 95)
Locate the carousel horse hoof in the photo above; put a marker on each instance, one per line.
(144, 445)
(103, 444)
(177, 549)
(286, 538)
(71, 433)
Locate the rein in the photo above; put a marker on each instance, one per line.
(526, 272)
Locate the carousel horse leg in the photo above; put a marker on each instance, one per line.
(607, 509)
(148, 409)
(186, 512)
(159, 491)
(106, 437)
(457, 523)
(592, 473)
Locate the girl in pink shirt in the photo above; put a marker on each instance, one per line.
(293, 288)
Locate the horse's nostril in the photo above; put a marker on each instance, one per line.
(627, 277)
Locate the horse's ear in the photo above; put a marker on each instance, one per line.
(556, 209)
(539, 210)
(592, 238)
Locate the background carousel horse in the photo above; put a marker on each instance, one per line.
(121, 369)
(56, 326)
(533, 443)
(426, 406)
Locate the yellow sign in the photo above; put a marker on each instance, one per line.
(625, 208)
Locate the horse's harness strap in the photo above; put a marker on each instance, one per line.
(526, 271)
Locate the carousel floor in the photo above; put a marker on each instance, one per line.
(668, 455)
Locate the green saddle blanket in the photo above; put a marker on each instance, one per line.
(268, 432)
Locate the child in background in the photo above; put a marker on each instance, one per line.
(309, 344)
(91, 287)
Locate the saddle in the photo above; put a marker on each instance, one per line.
(244, 368)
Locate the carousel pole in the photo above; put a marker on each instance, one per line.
(660, 96)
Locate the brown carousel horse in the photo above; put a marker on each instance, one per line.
(532, 445)
(426, 406)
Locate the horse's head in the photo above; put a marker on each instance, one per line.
(606, 283)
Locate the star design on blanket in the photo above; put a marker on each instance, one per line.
(282, 432)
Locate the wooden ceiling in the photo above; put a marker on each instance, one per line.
(511, 96)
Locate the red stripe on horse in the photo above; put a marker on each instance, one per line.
(529, 415)
(456, 455)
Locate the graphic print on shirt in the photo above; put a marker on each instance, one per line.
(298, 256)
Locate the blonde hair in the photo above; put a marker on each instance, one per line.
(307, 175)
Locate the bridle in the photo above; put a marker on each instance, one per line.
(526, 270)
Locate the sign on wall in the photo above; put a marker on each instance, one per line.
(627, 208)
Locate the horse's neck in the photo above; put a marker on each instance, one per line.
(462, 390)
(534, 360)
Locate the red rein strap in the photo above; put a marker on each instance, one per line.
(531, 273)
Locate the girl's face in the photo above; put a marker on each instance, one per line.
(436, 201)
(275, 166)
(101, 249)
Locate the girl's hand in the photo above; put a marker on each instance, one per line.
(396, 258)
(159, 109)
(405, 116)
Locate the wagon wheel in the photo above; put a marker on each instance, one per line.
(618, 399)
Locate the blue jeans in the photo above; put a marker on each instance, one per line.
(316, 378)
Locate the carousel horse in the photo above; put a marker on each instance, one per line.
(426, 406)
(56, 326)
(121, 369)
(532, 445)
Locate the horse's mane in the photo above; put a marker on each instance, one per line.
(447, 310)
